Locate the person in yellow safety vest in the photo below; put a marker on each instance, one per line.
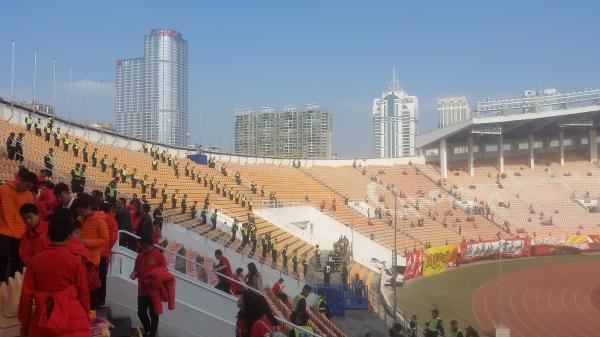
(174, 199)
(321, 304)
(75, 178)
(144, 183)
(317, 252)
(29, 122)
(154, 164)
(274, 250)
(76, 149)
(84, 152)
(124, 174)
(47, 132)
(134, 178)
(454, 330)
(303, 327)
(435, 326)
(57, 137)
(66, 142)
(50, 122)
(164, 194)
(299, 302)
(304, 265)
(110, 193)
(37, 126)
(49, 162)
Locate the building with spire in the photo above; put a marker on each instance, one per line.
(395, 122)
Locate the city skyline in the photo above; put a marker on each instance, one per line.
(229, 69)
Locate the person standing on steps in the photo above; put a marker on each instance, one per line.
(295, 262)
(49, 162)
(213, 220)
(304, 265)
(274, 250)
(234, 228)
(317, 252)
(11, 146)
(174, 199)
(164, 194)
(284, 256)
(29, 122)
(153, 189)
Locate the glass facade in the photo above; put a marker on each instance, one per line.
(452, 110)
(160, 80)
(395, 119)
(291, 133)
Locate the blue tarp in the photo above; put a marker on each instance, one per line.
(201, 159)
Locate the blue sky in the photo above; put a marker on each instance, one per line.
(339, 54)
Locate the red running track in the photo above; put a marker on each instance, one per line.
(560, 300)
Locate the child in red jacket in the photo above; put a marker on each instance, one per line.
(34, 239)
(148, 259)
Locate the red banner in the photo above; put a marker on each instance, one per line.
(414, 265)
(542, 250)
(471, 251)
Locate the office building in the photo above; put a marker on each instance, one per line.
(395, 121)
(290, 133)
(152, 91)
(452, 110)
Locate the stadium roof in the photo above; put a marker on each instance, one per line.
(513, 124)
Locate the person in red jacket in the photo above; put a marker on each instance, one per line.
(46, 196)
(13, 195)
(55, 273)
(149, 258)
(255, 315)
(105, 253)
(35, 239)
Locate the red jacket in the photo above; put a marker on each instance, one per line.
(144, 263)
(48, 199)
(135, 220)
(34, 241)
(94, 234)
(55, 273)
(161, 285)
(77, 248)
(113, 232)
(11, 223)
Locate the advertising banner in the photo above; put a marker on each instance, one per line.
(471, 251)
(414, 265)
(574, 241)
(436, 259)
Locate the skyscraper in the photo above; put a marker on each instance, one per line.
(152, 91)
(395, 120)
(452, 110)
(291, 133)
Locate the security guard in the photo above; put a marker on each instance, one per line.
(76, 148)
(213, 220)
(274, 250)
(184, 204)
(321, 304)
(66, 142)
(37, 126)
(454, 330)
(49, 162)
(295, 262)
(164, 194)
(284, 256)
(124, 174)
(253, 238)
(193, 173)
(304, 265)
(327, 274)
(187, 169)
(75, 178)
(234, 229)
(94, 157)
(103, 163)
(110, 193)
(154, 164)
(134, 179)
(83, 178)
(145, 147)
(29, 122)
(50, 122)
(344, 273)
(174, 199)
(84, 152)
(245, 234)
(11, 146)
(153, 189)
(317, 252)
(158, 216)
(114, 168)
(47, 132)
(194, 209)
(144, 183)
(302, 326)
(299, 302)
(57, 137)
(435, 327)
(265, 247)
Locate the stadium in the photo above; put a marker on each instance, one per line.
(494, 223)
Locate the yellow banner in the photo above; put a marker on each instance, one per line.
(574, 238)
(437, 258)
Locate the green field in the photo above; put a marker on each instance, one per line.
(452, 291)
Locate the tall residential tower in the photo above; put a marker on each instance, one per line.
(152, 91)
(395, 120)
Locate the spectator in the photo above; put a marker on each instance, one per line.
(63, 195)
(471, 332)
(94, 233)
(145, 227)
(224, 270)
(278, 291)
(236, 288)
(113, 229)
(413, 325)
(397, 330)
(255, 315)
(123, 218)
(35, 239)
(253, 278)
(148, 259)
(56, 274)
(13, 195)
(11, 146)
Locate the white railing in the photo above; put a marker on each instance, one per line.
(287, 226)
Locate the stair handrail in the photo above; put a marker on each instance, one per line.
(242, 285)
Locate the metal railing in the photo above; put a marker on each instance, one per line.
(242, 285)
(290, 228)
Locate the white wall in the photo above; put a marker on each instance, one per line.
(200, 311)
(329, 230)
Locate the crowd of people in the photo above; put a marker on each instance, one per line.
(434, 327)
(64, 239)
